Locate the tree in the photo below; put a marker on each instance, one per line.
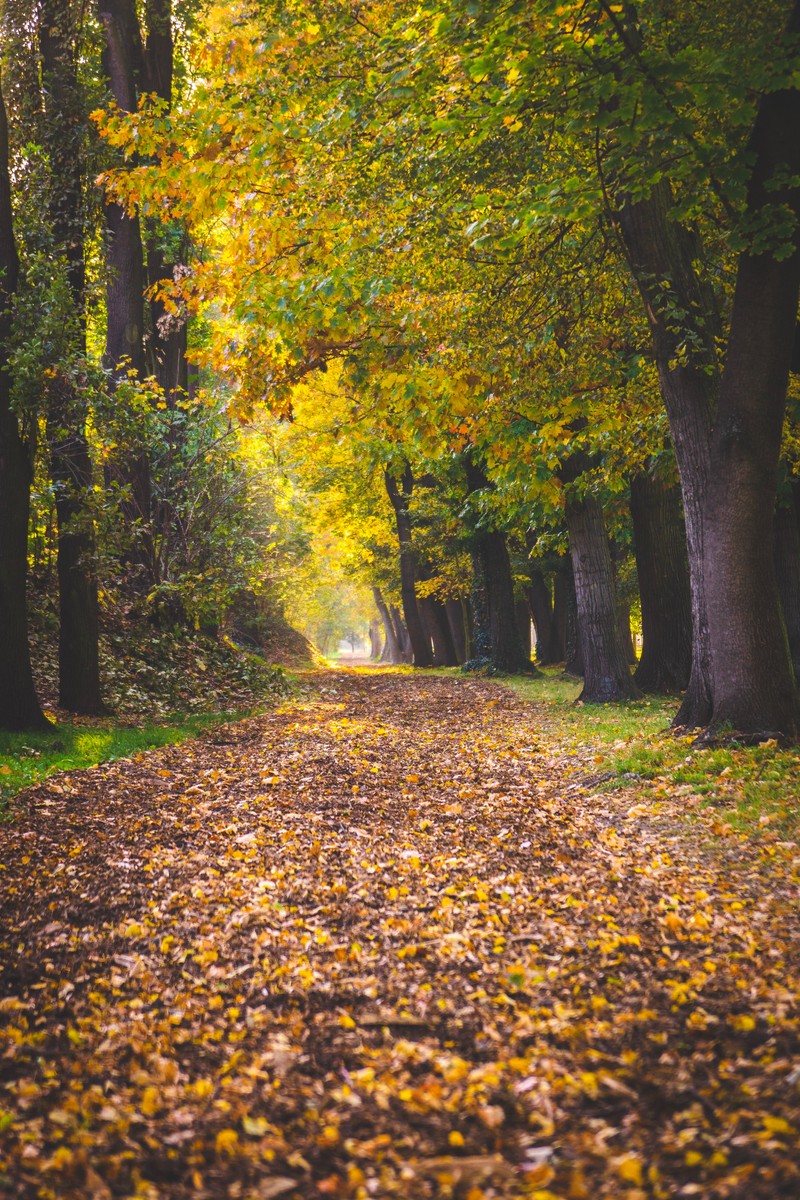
(125, 276)
(19, 706)
(70, 463)
(663, 568)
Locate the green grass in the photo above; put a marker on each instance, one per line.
(754, 790)
(28, 758)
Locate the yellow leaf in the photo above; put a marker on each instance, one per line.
(455, 1138)
(255, 1126)
(629, 1168)
(777, 1125)
(540, 1175)
(227, 1142)
(150, 1102)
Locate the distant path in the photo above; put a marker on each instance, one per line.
(379, 943)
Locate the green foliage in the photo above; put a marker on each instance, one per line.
(28, 758)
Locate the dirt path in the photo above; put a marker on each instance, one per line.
(376, 944)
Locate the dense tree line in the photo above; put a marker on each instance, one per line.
(518, 286)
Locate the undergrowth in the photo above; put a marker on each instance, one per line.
(28, 758)
(753, 790)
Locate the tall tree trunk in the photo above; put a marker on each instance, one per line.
(71, 472)
(658, 249)
(606, 672)
(663, 569)
(787, 570)
(542, 612)
(753, 682)
(70, 463)
(563, 610)
(435, 617)
(124, 67)
(19, 706)
(524, 626)
(493, 604)
(458, 631)
(403, 640)
(375, 640)
(400, 500)
(391, 647)
(726, 430)
(166, 339)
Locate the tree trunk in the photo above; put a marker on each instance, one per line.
(71, 472)
(375, 640)
(435, 617)
(124, 68)
(493, 604)
(663, 569)
(568, 602)
(563, 611)
(401, 633)
(787, 570)
(606, 673)
(625, 632)
(167, 335)
(19, 706)
(391, 649)
(70, 464)
(400, 501)
(753, 682)
(494, 607)
(726, 431)
(524, 626)
(542, 611)
(458, 632)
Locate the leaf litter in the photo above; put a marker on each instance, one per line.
(379, 942)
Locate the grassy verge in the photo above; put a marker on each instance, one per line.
(754, 790)
(28, 758)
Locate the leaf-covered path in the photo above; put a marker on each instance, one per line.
(380, 943)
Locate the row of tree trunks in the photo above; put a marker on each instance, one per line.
(496, 634)
(391, 647)
(437, 626)
(19, 706)
(606, 669)
(400, 493)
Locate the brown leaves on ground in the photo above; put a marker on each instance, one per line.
(373, 945)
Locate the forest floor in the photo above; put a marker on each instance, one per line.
(392, 939)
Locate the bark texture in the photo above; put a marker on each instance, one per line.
(124, 67)
(70, 463)
(458, 631)
(726, 429)
(71, 473)
(496, 632)
(542, 612)
(399, 494)
(391, 649)
(606, 671)
(787, 570)
(19, 706)
(663, 569)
